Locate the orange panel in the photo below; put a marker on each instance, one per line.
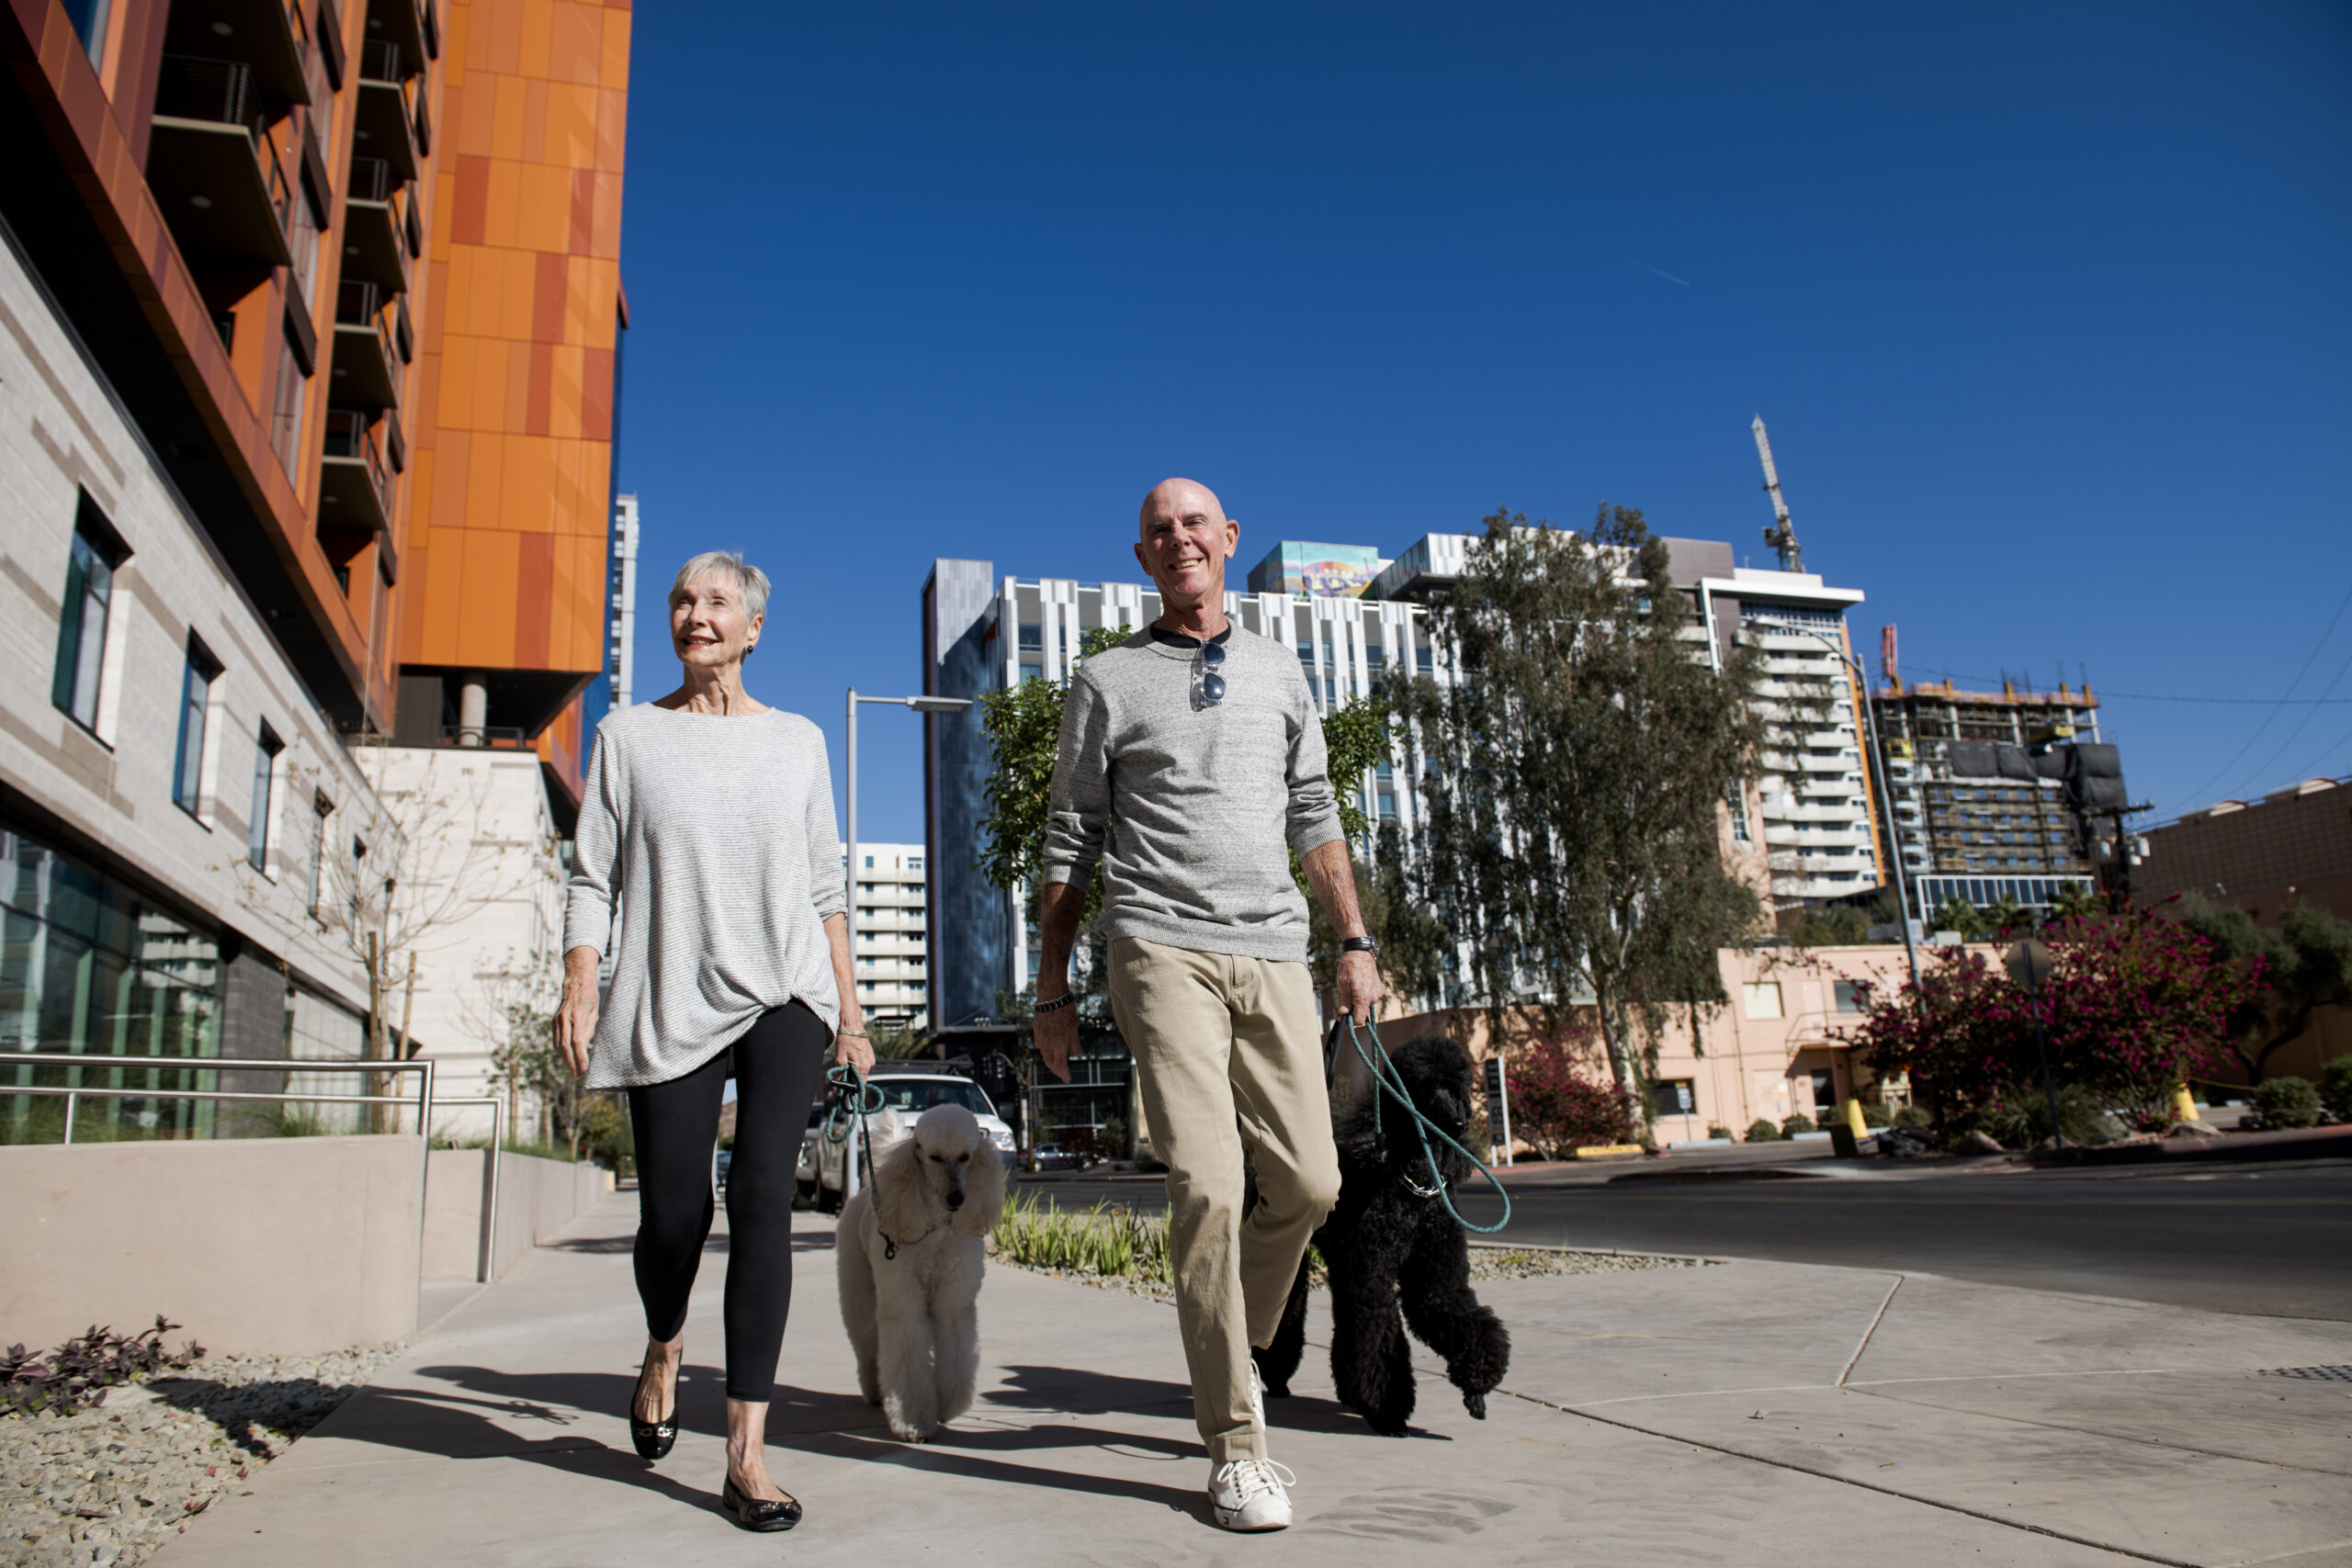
(505, 51)
(506, 133)
(416, 567)
(545, 222)
(470, 206)
(500, 219)
(612, 127)
(482, 473)
(421, 464)
(571, 125)
(535, 121)
(454, 406)
(564, 390)
(576, 52)
(597, 394)
(472, 117)
(518, 415)
(444, 586)
(538, 19)
(542, 389)
(485, 632)
(533, 593)
(613, 70)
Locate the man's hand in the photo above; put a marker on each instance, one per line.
(1358, 987)
(575, 1016)
(1056, 1036)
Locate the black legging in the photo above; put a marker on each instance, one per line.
(778, 1067)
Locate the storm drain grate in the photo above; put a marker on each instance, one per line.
(2327, 1374)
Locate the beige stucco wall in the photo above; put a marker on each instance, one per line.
(536, 1198)
(280, 1246)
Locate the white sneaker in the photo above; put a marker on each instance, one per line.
(1250, 1495)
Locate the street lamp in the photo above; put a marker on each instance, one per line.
(1875, 758)
(920, 704)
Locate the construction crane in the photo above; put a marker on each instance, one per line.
(1783, 534)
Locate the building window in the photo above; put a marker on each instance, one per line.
(286, 420)
(1032, 637)
(1032, 671)
(195, 702)
(82, 628)
(1849, 997)
(1674, 1096)
(320, 811)
(89, 19)
(265, 755)
(1762, 999)
(915, 862)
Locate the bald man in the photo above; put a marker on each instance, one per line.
(1192, 767)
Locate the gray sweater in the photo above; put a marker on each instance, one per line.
(712, 838)
(1189, 808)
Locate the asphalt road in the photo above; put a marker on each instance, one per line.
(2265, 1240)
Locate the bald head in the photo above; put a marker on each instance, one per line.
(1174, 499)
(1183, 540)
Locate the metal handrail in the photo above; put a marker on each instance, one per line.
(72, 1092)
(422, 1068)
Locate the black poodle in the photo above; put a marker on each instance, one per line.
(1391, 1243)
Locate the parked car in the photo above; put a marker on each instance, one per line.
(1053, 1157)
(909, 1094)
(718, 1168)
(804, 1187)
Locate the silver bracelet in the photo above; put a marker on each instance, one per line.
(854, 1033)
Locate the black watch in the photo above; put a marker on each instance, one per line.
(1359, 944)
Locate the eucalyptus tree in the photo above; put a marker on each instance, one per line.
(1579, 748)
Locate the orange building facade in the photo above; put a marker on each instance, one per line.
(504, 625)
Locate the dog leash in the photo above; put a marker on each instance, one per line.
(860, 1099)
(1383, 1071)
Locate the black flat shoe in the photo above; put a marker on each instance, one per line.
(757, 1513)
(653, 1438)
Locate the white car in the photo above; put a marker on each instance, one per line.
(833, 1134)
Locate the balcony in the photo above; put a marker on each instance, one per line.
(260, 33)
(372, 248)
(355, 487)
(385, 127)
(366, 372)
(402, 25)
(220, 186)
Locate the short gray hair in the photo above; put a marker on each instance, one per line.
(749, 580)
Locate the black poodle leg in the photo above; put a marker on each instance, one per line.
(1278, 1362)
(1371, 1361)
(1447, 1316)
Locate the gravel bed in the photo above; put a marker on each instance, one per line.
(108, 1485)
(1487, 1262)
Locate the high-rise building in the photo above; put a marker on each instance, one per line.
(1991, 791)
(1812, 807)
(888, 945)
(983, 634)
(620, 655)
(305, 417)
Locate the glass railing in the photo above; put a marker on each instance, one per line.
(221, 91)
(349, 435)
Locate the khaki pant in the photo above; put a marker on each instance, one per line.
(1230, 1064)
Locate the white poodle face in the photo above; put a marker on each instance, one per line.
(948, 1144)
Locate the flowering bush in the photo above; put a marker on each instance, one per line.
(1556, 1105)
(2133, 1006)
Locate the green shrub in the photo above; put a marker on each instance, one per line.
(1914, 1116)
(1723, 1133)
(2336, 1086)
(1799, 1122)
(1099, 1240)
(1762, 1132)
(1873, 1113)
(2022, 1121)
(2286, 1102)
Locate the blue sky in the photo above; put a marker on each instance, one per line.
(2046, 308)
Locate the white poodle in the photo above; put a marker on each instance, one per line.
(909, 1251)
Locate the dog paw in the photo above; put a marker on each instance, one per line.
(1476, 1405)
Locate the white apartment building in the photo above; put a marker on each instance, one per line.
(180, 819)
(620, 651)
(888, 943)
(1819, 816)
(478, 914)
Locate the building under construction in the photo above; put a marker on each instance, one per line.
(1996, 795)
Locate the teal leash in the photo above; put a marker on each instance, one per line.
(1383, 1071)
(862, 1100)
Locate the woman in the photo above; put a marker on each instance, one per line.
(707, 829)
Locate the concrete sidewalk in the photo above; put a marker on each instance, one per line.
(1741, 1413)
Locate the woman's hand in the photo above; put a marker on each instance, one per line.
(853, 1050)
(575, 1016)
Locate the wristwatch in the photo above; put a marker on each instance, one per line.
(1359, 944)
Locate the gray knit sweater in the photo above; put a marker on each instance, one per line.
(1189, 808)
(712, 839)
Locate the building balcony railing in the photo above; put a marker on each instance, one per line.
(355, 487)
(385, 126)
(222, 186)
(367, 370)
(373, 248)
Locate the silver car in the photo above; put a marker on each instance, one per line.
(831, 1135)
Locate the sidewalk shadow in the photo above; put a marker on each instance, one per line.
(427, 1421)
(562, 1397)
(934, 1459)
(609, 1245)
(1077, 1391)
